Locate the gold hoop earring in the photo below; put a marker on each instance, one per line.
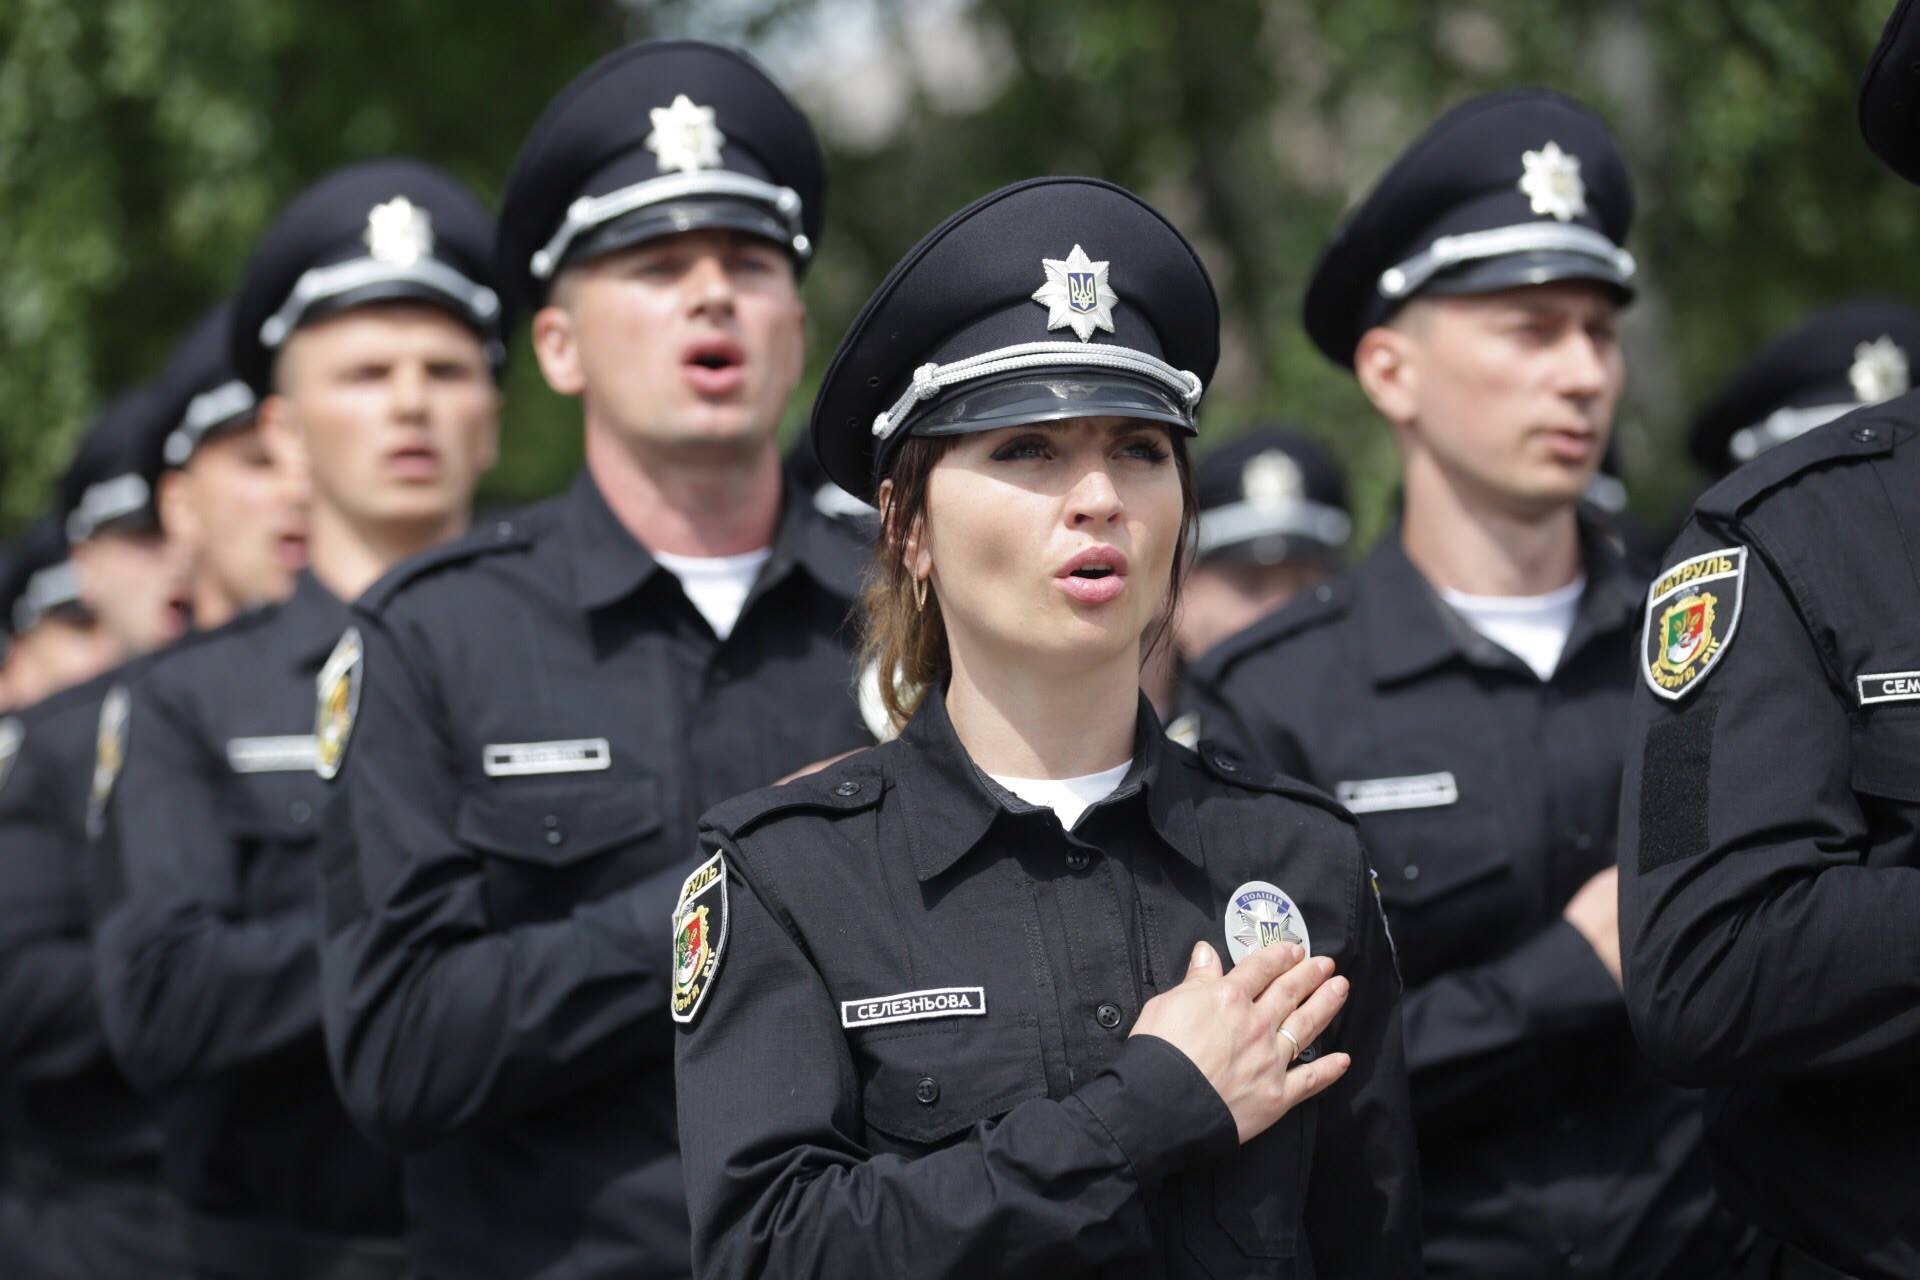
(920, 595)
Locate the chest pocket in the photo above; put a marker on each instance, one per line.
(1886, 753)
(1446, 880)
(551, 845)
(1248, 1206)
(274, 823)
(925, 1085)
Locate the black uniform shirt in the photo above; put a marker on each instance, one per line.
(543, 716)
(73, 1107)
(1770, 843)
(208, 967)
(1026, 1134)
(1487, 798)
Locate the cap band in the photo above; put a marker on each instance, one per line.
(324, 283)
(588, 212)
(53, 587)
(1239, 522)
(105, 502)
(1781, 426)
(1527, 237)
(931, 379)
(206, 411)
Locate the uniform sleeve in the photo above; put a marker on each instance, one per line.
(49, 1024)
(780, 1185)
(1759, 944)
(1468, 1030)
(435, 1014)
(1363, 1198)
(190, 983)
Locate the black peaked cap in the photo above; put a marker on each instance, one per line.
(968, 287)
(417, 233)
(202, 394)
(1890, 94)
(1271, 495)
(111, 478)
(593, 140)
(39, 548)
(1464, 175)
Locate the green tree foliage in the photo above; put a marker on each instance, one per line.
(144, 142)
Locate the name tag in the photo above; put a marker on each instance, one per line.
(908, 1006)
(570, 755)
(286, 753)
(1894, 686)
(1379, 795)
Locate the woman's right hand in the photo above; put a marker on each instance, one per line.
(1229, 1024)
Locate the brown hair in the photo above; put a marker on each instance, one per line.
(907, 644)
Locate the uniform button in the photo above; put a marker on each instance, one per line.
(1323, 593)
(1107, 1015)
(1412, 872)
(299, 811)
(927, 1092)
(847, 789)
(1583, 840)
(503, 530)
(1227, 764)
(1077, 860)
(1865, 435)
(555, 833)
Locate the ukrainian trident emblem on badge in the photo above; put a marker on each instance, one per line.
(699, 936)
(1692, 611)
(1262, 915)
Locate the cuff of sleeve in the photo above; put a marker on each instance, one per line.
(1560, 978)
(1160, 1110)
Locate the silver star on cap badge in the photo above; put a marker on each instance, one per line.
(1076, 294)
(685, 136)
(1879, 371)
(399, 233)
(1551, 181)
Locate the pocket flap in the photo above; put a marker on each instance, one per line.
(558, 825)
(1424, 854)
(928, 1084)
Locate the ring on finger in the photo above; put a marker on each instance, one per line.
(1295, 1043)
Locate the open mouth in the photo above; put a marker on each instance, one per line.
(1094, 571)
(715, 366)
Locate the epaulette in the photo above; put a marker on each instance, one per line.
(1312, 608)
(503, 533)
(1233, 769)
(844, 787)
(1864, 433)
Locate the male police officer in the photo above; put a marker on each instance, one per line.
(1465, 689)
(1770, 823)
(367, 325)
(87, 1151)
(53, 640)
(528, 724)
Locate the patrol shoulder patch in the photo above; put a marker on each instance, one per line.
(1693, 609)
(109, 754)
(699, 936)
(338, 700)
(12, 734)
(1261, 915)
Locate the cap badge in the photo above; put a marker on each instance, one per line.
(1271, 479)
(685, 136)
(1552, 183)
(1076, 294)
(1262, 915)
(399, 233)
(1879, 371)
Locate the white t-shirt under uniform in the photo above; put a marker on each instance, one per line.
(1533, 629)
(1067, 797)
(716, 585)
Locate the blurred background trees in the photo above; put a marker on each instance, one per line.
(144, 143)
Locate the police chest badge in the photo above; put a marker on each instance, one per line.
(699, 936)
(1693, 610)
(1261, 915)
(109, 754)
(12, 734)
(337, 693)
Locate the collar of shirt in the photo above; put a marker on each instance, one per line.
(315, 618)
(610, 564)
(1410, 630)
(952, 804)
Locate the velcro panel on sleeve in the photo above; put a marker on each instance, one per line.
(1674, 774)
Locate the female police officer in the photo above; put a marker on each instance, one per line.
(956, 1006)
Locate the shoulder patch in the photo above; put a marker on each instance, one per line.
(1693, 610)
(1230, 768)
(489, 537)
(699, 936)
(12, 734)
(843, 788)
(337, 702)
(109, 754)
(1865, 432)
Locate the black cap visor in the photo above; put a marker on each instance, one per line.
(1037, 396)
(1538, 266)
(671, 217)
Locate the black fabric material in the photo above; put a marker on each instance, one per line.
(126, 438)
(1780, 967)
(208, 973)
(1038, 1138)
(41, 546)
(1890, 94)
(201, 362)
(497, 1009)
(1461, 175)
(1547, 1144)
(591, 140)
(1678, 765)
